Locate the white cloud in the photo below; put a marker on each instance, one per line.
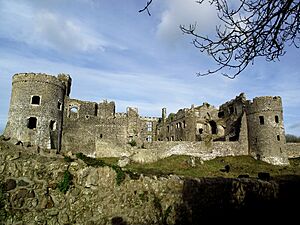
(67, 34)
(186, 12)
(37, 27)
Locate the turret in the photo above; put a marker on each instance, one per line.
(163, 114)
(36, 110)
(266, 130)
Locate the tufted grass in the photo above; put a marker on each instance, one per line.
(238, 165)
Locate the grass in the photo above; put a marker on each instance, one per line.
(213, 168)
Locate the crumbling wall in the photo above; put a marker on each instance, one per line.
(106, 109)
(232, 112)
(292, 150)
(203, 150)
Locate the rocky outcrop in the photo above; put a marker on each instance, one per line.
(31, 193)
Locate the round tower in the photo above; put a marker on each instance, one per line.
(266, 130)
(36, 110)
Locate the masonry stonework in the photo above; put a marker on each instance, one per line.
(43, 114)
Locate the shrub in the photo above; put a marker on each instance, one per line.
(64, 185)
(132, 143)
(292, 138)
(3, 212)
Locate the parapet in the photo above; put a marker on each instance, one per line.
(37, 77)
(264, 103)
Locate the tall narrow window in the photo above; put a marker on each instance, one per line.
(149, 138)
(278, 138)
(52, 125)
(35, 100)
(213, 126)
(59, 105)
(31, 123)
(276, 119)
(149, 126)
(261, 120)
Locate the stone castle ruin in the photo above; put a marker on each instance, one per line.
(43, 114)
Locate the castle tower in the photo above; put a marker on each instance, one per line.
(163, 115)
(266, 130)
(36, 110)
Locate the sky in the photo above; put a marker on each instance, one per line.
(113, 52)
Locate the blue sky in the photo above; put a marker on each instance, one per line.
(112, 52)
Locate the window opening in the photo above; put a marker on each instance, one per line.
(231, 109)
(200, 130)
(59, 105)
(32, 121)
(149, 126)
(221, 114)
(184, 125)
(213, 126)
(52, 125)
(35, 100)
(101, 135)
(149, 138)
(276, 119)
(74, 109)
(278, 138)
(261, 120)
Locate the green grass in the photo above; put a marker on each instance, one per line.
(213, 168)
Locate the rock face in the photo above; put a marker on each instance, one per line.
(30, 194)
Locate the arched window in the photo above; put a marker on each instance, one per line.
(74, 109)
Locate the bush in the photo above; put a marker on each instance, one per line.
(292, 138)
(3, 212)
(64, 185)
(132, 143)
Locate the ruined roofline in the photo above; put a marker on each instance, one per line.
(241, 97)
(150, 118)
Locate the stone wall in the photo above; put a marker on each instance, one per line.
(30, 195)
(292, 150)
(203, 150)
(94, 198)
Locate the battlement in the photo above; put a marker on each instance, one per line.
(264, 103)
(38, 78)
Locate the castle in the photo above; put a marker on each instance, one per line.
(43, 114)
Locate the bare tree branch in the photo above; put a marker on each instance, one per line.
(146, 8)
(255, 28)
